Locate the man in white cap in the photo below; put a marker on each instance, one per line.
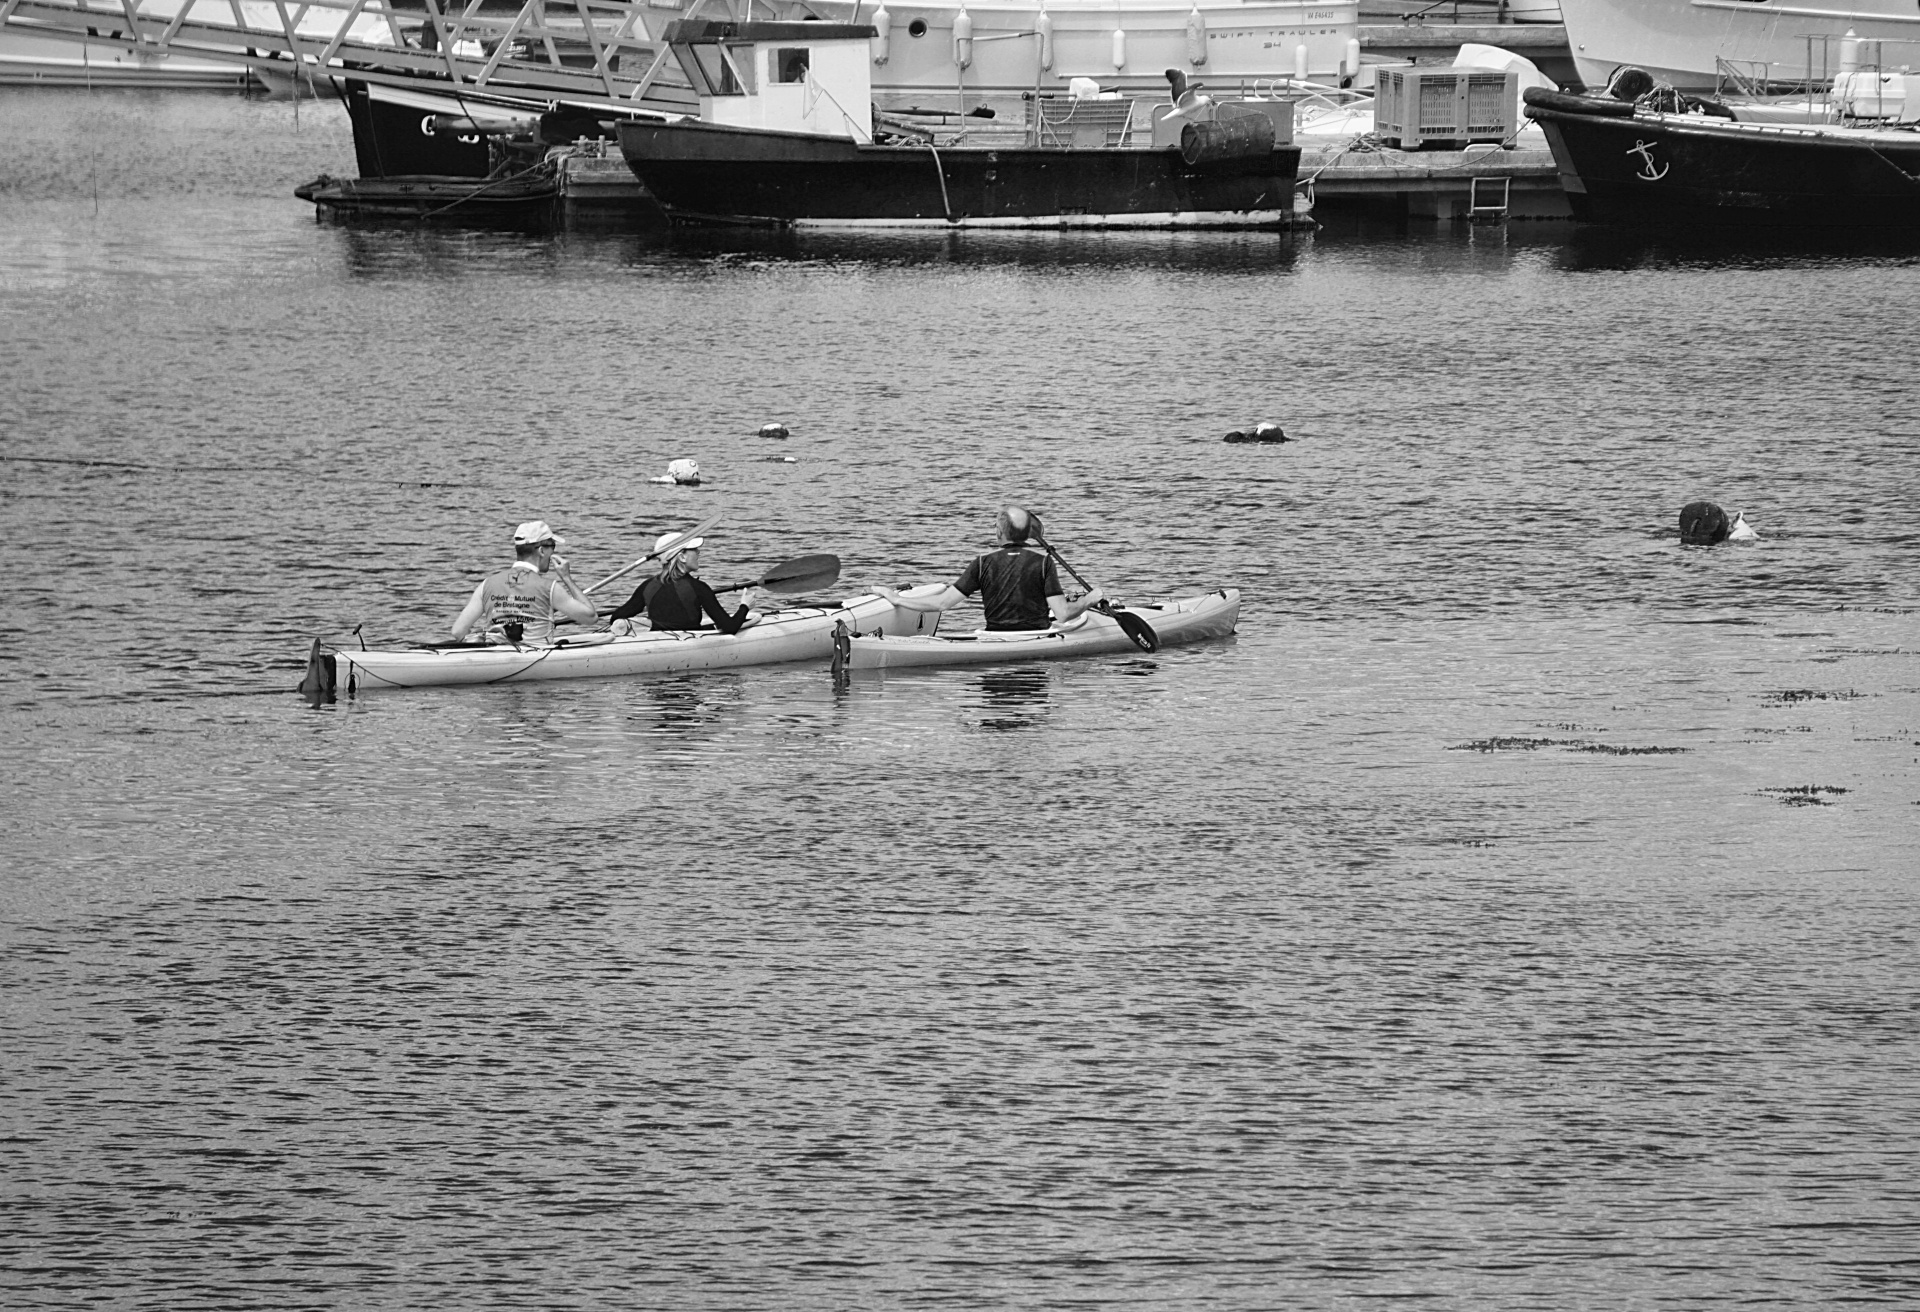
(673, 599)
(520, 601)
(1018, 585)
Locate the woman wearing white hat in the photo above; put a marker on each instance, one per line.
(673, 599)
(520, 600)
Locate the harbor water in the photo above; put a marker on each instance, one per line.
(1519, 912)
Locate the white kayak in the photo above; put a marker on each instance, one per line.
(799, 634)
(1187, 619)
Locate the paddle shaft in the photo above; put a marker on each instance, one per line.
(693, 532)
(1132, 625)
(801, 574)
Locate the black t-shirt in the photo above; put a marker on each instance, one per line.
(675, 604)
(1014, 584)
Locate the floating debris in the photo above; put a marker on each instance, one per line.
(773, 430)
(1788, 696)
(1804, 794)
(1258, 433)
(1513, 744)
(1610, 750)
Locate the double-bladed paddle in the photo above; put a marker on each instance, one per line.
(1130, 624)
(801, 574)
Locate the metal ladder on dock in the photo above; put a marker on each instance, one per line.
(1489, 210)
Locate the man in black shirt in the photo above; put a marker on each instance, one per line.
(1018, 585)
(673, 599)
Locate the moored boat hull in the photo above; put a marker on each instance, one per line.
(710, 173)
(1672, 169)
(1188, 619)
(799, 634)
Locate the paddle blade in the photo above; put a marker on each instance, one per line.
(1138, 629)
(802, 574)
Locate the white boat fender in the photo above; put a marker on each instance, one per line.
(1741, 530)
(773, 430)
(1300, 62)
(963, 38)
(1119, 48)
(1196, 37)
(1258, 433)
(685, 473)
(883, 34)
(1043, 27)
(1702, 524)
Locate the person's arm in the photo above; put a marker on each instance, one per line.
(634, 605)
(715, 611)
(476, 607)
(944, 600)
(1064, 610)
(567, 598)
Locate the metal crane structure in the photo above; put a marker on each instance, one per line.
(592, 53)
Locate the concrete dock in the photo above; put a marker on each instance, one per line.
(1441, 185)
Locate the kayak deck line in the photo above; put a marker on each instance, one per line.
(1185, 619)
(774, 637)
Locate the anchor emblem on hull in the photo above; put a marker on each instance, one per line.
(1648, 173)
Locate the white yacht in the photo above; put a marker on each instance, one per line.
(1704, 45)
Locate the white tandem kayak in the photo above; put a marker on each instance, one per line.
(1187, 619)
(798, 634)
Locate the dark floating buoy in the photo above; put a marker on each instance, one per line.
(1702, 524)
(1258, 433)
(773, 430)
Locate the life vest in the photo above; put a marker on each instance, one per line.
(521, 594)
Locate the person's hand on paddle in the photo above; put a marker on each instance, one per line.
(1092, 597)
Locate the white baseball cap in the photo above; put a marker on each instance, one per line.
(666, 540)
(536, 530)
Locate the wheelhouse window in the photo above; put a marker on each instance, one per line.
(718, 70)
(790, 65)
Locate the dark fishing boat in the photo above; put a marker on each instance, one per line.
(1666, 159)
(446, 156)
(787, 135)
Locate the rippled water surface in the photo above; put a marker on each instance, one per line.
(1520, 912)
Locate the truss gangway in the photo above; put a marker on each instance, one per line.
(597, 53)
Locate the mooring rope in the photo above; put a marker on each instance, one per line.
(940, 171)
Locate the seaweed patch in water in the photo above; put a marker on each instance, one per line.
(1804, 794)
(1610, 750)
(1788, 696)
(1512, 744)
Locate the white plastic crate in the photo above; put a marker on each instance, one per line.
(1431, 105)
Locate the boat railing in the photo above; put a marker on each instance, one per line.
(604, 52)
